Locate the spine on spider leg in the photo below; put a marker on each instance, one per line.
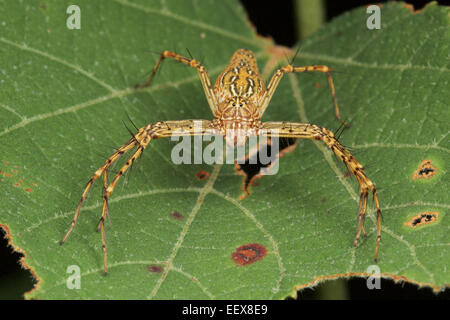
(154, 131)
(358, 171)
(311, 131)
(350, 161)
(365, 183)
(177, 128)
(113, 158)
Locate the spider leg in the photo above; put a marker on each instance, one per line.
(203, 74)
(313, 132)
(113, 158)
(265, 99)
(105, 185)
(141, 139)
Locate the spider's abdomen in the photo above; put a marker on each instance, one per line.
(238, 90)
(240, 78)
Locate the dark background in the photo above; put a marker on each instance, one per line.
(275, 19)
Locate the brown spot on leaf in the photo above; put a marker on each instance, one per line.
(426, 170)
(202, 175)
(248, 254)
(12, 172)
(422, 218)
(317, 85)
(177, 215)
(154, 268)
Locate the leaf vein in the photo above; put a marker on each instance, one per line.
(78, 69)
(201, 25)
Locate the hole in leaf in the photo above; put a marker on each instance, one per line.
(426, 170)
(251, 172)
(422, 218)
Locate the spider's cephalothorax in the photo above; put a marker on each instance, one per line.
(237, 101)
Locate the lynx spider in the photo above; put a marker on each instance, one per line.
(237, 101)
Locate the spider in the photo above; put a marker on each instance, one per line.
(238, 101)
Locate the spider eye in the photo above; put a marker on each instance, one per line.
(234, 104)
(240, 104)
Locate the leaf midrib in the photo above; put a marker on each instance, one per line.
(200, 199)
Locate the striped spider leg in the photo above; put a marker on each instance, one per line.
(237, 101)
(290, 68)
(314, 132)
(139, 142)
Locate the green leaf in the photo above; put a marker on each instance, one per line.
(65, 95)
